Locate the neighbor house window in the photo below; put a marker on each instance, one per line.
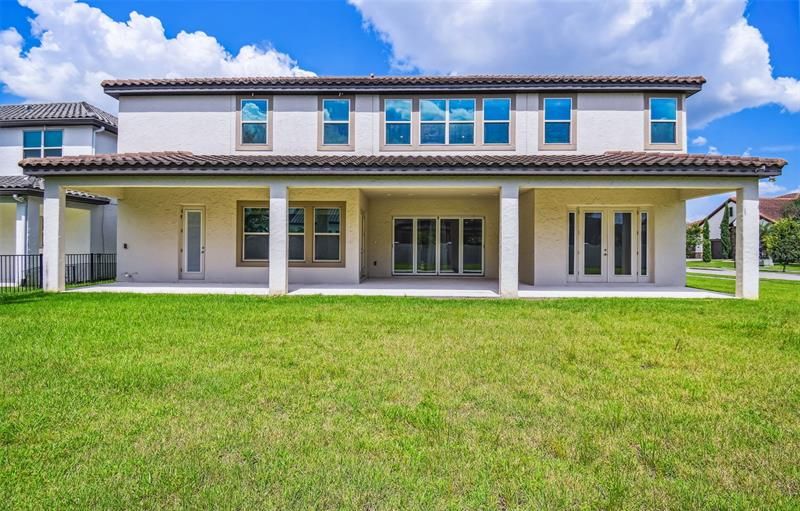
(297, 234)
(447, 121)
(496, 120)
(42, 143)
(336, 113)
(663, 120)
(255, 234)
(558, 121)
(398, 121)
(327, 234)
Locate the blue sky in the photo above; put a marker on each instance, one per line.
(335, 37)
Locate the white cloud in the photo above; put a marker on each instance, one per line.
(770, 188)
(748, 152)
(713, 150)
(699, 141)
(79, 46)
(706, 37)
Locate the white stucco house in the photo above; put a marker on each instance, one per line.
(53, 130)
(521, 183)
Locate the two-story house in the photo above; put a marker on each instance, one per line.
(53, 130)
(518, 183)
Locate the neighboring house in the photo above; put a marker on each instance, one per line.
(520, 180)
(53, 130)
(770, 210)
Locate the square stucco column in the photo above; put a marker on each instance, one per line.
(33, 237)
(53, 249)
(747, 241)
(509, 241)
(278, 239)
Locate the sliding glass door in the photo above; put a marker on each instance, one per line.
(437, 246)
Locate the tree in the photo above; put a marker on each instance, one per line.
(783, 242)
(694, 235)
(725, 232)
(792, 210)
(706, 242)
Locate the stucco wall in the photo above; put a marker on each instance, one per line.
(382, 210)
(207, 124)
(667, 232)
(105, 143)
(148, 221)
(77, 231)
(8, 215)
(77, 140)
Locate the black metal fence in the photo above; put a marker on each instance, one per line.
(88, 268)
(20, 273)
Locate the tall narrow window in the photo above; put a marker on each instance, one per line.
(336, 122)
(643, 240)
(398, 121)
(255, 121)
(473, 245)
(327, 234)
(496, 120)
(558, 121)
(42, 143)
(571, 244)
(663, 120)
(297, 234)
(433, 121)
(255, 234)
(461, 119)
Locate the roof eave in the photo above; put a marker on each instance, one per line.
(26, 123)
(117, 91)
(37, 192)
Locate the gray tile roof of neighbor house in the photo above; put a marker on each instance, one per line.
(612, 163)
(400, 84)
(78, 112)
(27, 185)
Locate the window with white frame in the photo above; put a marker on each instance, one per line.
(397, 121)
(254, 118)
(663, 120)
(327, 234)
(447, 121)
(336, 121)
(255, 234)
(558, 121)
(42, 143)
(496, 120)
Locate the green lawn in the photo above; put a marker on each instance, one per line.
(131, 401)
(728, 265)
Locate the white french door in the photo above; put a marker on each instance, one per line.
(612, 245)
(193, 241)
(437, 246)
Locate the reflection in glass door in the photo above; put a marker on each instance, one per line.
(473, 245)
(426, 245)
(403, 245)
(192, 244)
(449, 244)
(623, 247)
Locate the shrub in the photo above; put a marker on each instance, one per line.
(706, 242)
(783, 242)
(694, 234)
(725, 233)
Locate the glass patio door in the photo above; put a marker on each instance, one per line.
(608, 246)
(594, 251)
(403, 250)
(193, 250)
(449, 245)
(622, 260)
(437, 246)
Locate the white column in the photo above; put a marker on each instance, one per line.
(747, 241)
(21, 229)
(509, 240)
(96, 229)
(53, 249)
(33, 239)
(278, 239)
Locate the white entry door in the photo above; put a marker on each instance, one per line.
(193, 243)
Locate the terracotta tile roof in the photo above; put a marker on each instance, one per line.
(32, 185)
(377, 83)
(52, 113)
(609, 163)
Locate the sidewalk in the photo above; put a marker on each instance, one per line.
(765, 275)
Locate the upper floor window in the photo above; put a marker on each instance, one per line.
(663, 120)
(42, 143)
(336, 122)
(447, 121)
(496, 120)
(398, 121)
(558, 121)
(254, 123)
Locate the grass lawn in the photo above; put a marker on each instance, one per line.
(132, 401)
(728, 265)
